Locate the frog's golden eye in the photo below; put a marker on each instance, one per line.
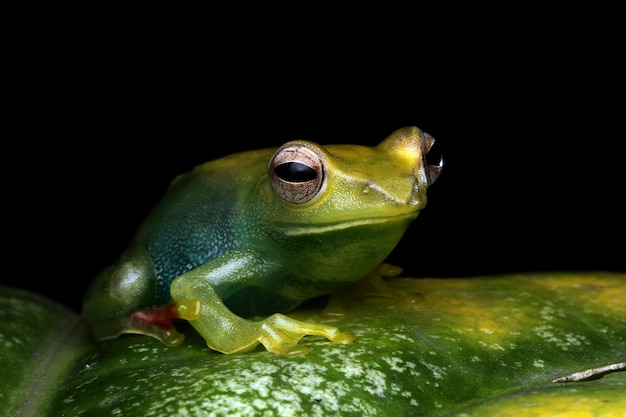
(433, 158)
(297, 173)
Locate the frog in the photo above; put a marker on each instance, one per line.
(237, 243)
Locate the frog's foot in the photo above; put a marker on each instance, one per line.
(158, 321)
(371, 285)
(155, 321)
(281, 334)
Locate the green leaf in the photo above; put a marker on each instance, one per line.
(484, 346)
(40, 344)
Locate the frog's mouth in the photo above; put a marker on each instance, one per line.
(321, 228)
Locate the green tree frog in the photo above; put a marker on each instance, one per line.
(257, 233)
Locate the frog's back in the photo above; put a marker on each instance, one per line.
(200, 216)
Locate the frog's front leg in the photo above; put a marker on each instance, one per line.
(227, 332)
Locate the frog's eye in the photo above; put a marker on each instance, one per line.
(297, 173)
(433, 158)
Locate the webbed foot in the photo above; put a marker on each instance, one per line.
(278, 334)
(155, 321)
(371, 285)
(281, 334)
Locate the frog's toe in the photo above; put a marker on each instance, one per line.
(158, 321)
(162, 331)
(281, 334)
(169, 336)
(288, 350)
(388, 270)
(187, 309)
(343, 338)
(154, 321)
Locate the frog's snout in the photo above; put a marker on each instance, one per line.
(419, 149)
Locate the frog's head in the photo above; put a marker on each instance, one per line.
(345, 207)
(339, 186)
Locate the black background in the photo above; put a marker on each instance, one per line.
(530, 128)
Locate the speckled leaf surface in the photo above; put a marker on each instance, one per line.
(484, 346)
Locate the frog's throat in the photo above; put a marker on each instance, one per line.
(313, 228)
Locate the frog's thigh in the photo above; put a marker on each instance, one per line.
(122, 288)
(226, 332)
